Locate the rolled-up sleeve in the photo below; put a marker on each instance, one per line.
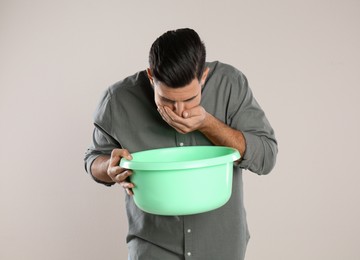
(102, 142)
(247, 116)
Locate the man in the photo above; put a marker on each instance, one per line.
(181, 100)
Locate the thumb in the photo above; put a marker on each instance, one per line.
(186, 114)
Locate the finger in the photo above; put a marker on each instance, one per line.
(164, 115)
(178, 121)
(171, 121)
(172, 115)
(193, 112)
(180, 124)
(119, 174)
(180, 128)
(127, 185)
(186, 114)
(129, 192)
(116, 156)
(114, 171)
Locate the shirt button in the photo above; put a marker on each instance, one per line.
(189, 230)
(189, 253)
(181, 144)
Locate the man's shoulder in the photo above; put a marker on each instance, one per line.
(218, 68)
(224, 75)
(129, 91)
(129, 83)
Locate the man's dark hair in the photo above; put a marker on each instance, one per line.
(177, 57)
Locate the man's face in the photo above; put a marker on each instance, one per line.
(178, 99)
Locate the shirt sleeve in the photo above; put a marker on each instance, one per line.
(102, 141)
(247, 116)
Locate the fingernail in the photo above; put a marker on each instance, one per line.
(185, 114)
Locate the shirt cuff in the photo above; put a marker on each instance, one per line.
(88, 163)
(253, 144)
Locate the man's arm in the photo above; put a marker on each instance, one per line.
(198, 119)
(221, 134)
(258, 151)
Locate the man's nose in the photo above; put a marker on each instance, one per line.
(179, 108)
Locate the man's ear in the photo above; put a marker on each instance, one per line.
(150, 76)
(204, 76)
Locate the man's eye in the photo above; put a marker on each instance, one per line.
(168, 101)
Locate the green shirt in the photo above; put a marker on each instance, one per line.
(127, 117)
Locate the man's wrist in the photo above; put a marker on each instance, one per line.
(99, 169)
(206, 124)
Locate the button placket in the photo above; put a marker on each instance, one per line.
(180, 139)
(188, 238)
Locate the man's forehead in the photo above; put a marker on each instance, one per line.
(178, 98)
(180, 93)
(158, 83)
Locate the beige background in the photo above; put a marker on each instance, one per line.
(302, 59)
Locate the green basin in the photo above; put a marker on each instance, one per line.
(182, 180)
